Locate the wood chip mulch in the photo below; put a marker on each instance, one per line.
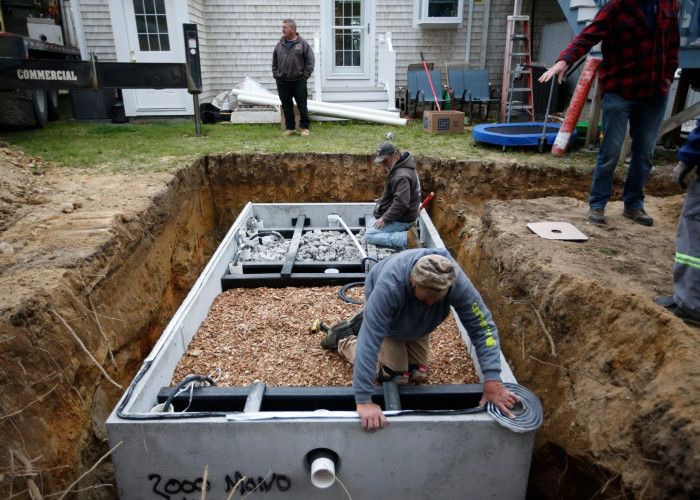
(263, 334)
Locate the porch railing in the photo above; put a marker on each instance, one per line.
(386, 68)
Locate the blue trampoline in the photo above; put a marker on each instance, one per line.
(517, 134)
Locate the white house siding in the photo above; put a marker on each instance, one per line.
(545, 12)
(237, 37)
(97, 26)
(437, 45)
(447, 45)
(240, 38)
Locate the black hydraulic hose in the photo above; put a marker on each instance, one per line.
(188, 379)
(341, 292)
(268, 233)
(365, 259)
(157, 416)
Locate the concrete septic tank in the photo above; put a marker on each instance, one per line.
(306, 442)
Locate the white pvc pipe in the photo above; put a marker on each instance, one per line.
(344, 107)
(322, 472)
(326, 109)
(352, 236)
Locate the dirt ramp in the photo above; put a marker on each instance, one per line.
(617, 375)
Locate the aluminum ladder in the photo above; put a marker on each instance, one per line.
(517, 63)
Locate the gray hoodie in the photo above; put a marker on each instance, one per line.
(391, 308)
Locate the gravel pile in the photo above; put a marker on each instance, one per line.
(315, 246)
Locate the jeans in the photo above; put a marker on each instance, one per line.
(645, 117)
(297, 90)
(393, 234)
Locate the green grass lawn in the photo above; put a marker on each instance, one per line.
(156, 146)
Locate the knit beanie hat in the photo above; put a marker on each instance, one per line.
(434, 271)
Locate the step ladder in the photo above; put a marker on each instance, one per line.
(517, 63)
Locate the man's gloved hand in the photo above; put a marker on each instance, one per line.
(679, 173)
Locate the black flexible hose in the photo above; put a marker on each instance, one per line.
(260, 234)
(185, 381)
(341, 292)
(365, 259)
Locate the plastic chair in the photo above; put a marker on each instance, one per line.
(419, 91)
(471, 88)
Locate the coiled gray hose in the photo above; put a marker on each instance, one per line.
(528, 413)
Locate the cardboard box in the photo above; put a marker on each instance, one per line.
(443, 122)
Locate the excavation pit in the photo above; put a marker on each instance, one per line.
(617, 375)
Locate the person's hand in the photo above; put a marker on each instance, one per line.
(372, 417)
(679, 173)
(379, 223)
(558, 69)
(496, 392)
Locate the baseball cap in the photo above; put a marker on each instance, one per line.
(434, 271)
(384, 150)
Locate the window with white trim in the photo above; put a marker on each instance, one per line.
(152, 25)
(438, 13)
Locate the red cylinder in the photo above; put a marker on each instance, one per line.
(561, 143)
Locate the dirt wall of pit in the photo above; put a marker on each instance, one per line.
(118, 296)
(618, 376)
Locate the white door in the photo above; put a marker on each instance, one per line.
(348, 43)
(152, 32)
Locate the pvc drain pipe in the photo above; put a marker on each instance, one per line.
(352, 236)
(322, 464)
(322, 472)
(322, 108)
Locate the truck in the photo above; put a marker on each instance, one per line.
(35, 30)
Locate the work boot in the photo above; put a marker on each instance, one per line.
(669, 303)
(413, 238)
(305, 132)
(639, 216)
(356, 321)
(386, 374)
(419, 373)
(288, 133)
(335, 334)
(596, 215)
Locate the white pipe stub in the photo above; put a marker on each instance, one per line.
(322, 472)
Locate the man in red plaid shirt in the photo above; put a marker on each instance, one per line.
(639, 41)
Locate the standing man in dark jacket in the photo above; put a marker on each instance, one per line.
(292, 65)
(395, 214)
(639, 40)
